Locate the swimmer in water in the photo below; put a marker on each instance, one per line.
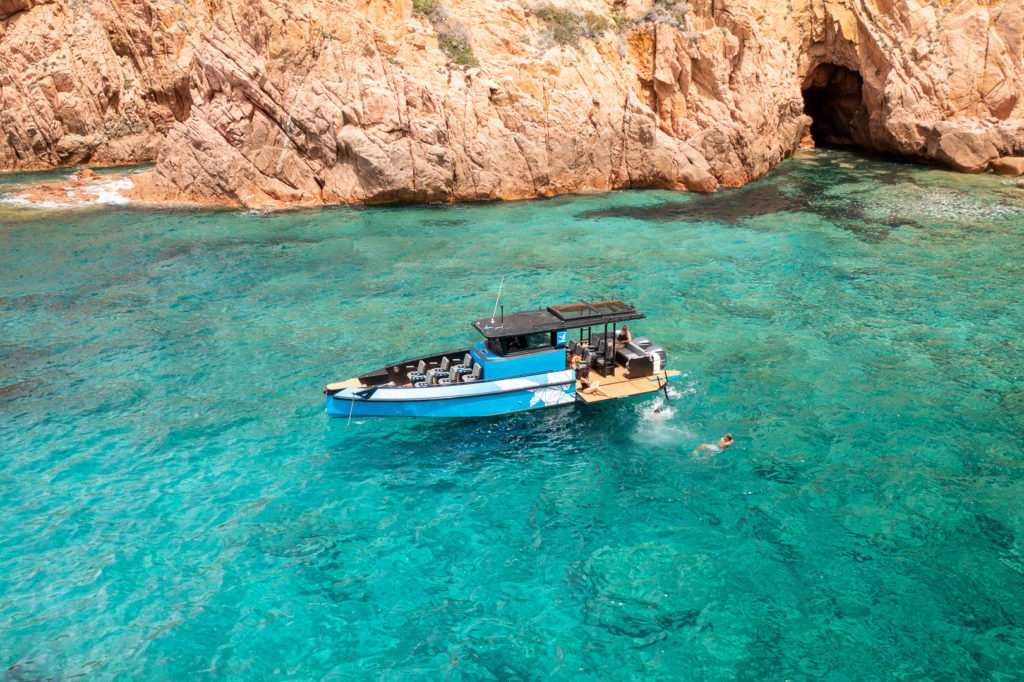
(723, 444)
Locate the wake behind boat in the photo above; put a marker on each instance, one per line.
(527, 361)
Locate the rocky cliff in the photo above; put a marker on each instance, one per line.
(91, 82)
(270, 103)
(939, 80)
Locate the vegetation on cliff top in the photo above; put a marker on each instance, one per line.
(452, 37)
(567, 27)
(668, 12)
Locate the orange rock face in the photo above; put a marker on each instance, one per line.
(90, 82)
(941, 81)
(1009, 165)
(273, 104)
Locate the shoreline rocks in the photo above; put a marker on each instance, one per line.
(1008, 165)
(271, 106)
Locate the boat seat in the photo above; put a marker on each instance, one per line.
(421, 384)
(601, 337)
(477, 374)
(420, 373)
(638, 362)
(602, 360)
(465, 367)
(603, 366)
(630, 351)
(440, 372)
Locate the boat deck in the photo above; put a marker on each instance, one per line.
(348, 383)
(620, 386)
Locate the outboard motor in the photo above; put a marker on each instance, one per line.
(659, 357)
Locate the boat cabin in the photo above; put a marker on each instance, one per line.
(539, 340)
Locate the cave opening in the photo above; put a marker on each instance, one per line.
(833, 98)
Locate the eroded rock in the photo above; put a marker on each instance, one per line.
(266, 104)
(97, 82)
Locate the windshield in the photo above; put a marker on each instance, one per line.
(521, 343)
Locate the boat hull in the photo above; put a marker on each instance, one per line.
(477, 399)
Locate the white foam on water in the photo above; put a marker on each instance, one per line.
(21, 201)
(660, 424)
(104, 192)
(109, 191)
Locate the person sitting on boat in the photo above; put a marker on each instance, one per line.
(723, 443)
(589, 386)
(623, 337)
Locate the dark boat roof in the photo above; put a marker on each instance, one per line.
(567, 316)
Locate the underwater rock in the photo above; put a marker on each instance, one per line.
(645, 591)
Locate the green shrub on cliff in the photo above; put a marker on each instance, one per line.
(431, 9)
(668, 12)
(594, 24)
(567, 27)
(456, 45)
(452, 37)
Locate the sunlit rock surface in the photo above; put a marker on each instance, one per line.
(274, 104)
(91, 82)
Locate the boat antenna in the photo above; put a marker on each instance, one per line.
(497, 299)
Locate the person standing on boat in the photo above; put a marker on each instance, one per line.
(723, 443)
(587, 385)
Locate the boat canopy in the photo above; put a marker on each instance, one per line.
(553, 318)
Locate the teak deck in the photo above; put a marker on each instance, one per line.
(348, 383)
(621, 386)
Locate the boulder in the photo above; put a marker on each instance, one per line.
(965, 150)
(1008, 165)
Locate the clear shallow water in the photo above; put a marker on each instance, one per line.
(177, 506)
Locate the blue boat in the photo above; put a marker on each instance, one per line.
(526, 361)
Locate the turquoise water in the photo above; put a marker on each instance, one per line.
(175, 504)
